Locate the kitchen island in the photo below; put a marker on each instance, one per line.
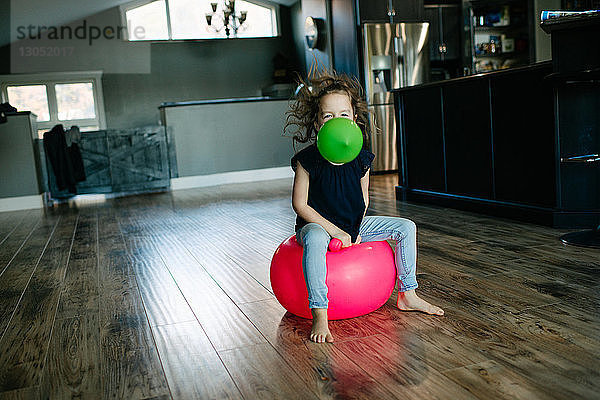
(490, 143)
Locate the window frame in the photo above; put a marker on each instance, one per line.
(139, 3)
(275, 7)
(50, 80)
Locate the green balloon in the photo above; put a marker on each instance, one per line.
(339, 140)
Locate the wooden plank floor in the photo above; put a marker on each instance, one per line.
(168, 296)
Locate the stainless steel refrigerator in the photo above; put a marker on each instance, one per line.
(395, 55)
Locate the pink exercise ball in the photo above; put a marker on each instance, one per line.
(360, 278)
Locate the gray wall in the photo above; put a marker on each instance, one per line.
(297, 25)
(80, 52)
(165, 71)
(4, 36)
(18, 173)
(216, 138)
(187, 71)
(322, 56)
(543, 45)
(195, 70)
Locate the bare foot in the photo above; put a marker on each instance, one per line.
(409, 301)
(320, 328)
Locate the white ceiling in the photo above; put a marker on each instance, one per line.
(61, 12)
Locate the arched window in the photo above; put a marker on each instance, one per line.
(188, 19)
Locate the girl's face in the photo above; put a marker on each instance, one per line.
(334, 105)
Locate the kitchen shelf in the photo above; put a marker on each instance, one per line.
(502, 55)
(500, 28)
(519, 29)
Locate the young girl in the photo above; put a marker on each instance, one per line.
(331, 200)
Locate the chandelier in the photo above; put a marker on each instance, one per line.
(225, 17)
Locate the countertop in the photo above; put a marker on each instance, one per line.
(220, 101)
(484, 75)
(8, 113)
(571, 22)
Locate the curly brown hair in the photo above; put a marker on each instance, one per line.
(304, 108)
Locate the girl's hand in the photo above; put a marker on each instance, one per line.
(358, 240)
(344, 238)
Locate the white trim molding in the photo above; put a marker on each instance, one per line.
(253, 175)
(21, 203)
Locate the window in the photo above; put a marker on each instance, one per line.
(186, 19)
(148, 21)
(66, 98)
(32, 97)
(75, 101)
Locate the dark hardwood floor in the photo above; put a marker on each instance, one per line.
(167, 296)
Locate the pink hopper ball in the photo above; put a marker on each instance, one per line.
(360, 278)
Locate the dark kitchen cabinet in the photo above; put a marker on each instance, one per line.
(523, 150)
(383, 10)
(468, 138)
(444, 31)
(493, 147)
(422, 130)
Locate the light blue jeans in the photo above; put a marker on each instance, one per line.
(315, 240)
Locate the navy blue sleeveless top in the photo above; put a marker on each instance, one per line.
(334, 191)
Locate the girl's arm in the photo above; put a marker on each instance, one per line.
(364, 185)
(306, 212)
